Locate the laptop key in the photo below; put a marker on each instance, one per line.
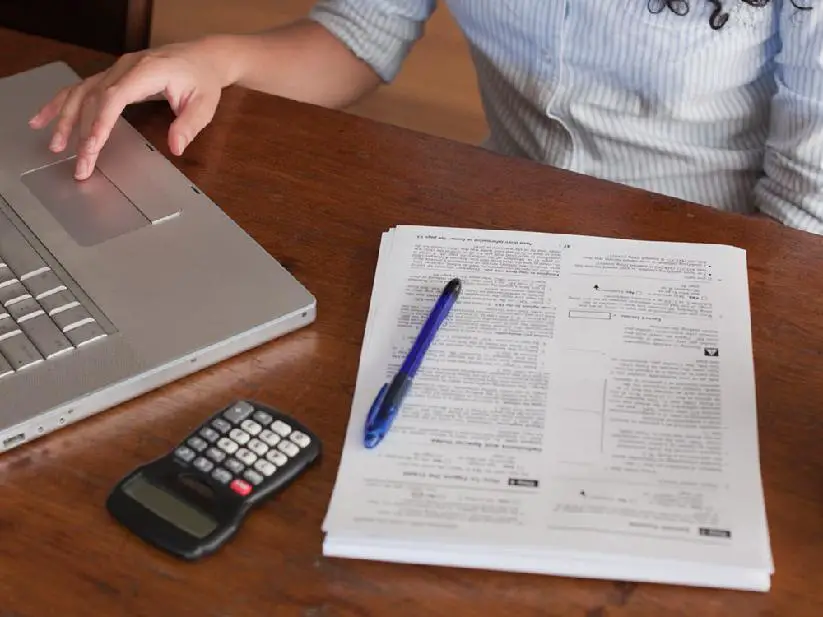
(57, 301)
(12, 293)
(16, 252)
(7, 277)
(46, 336)
(20, 352)
(8, 327)
(5, 367)
(24, 309)
(43, 283)
(72, 318)
(85, 334)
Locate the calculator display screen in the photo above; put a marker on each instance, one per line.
(169, 507)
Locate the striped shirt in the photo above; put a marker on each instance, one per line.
(732, 119)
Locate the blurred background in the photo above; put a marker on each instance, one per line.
(436, 91)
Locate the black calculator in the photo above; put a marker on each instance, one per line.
(192, 500)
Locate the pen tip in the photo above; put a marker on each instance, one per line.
(454, 285)
(371, 440)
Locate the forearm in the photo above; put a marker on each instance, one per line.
(300, 61)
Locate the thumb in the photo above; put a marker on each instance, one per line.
(192, 117)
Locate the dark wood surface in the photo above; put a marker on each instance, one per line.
(112, 26)
(316, 188)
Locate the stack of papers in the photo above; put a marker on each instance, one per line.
(586, 410)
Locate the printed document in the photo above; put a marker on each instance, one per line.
(587, 409)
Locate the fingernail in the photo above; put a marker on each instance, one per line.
(56, 142)
(83, 169)
(181, 144)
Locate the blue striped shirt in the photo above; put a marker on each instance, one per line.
(732, 119)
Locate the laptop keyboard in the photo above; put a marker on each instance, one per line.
(40, 317)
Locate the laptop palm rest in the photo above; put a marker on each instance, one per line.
(92, 210)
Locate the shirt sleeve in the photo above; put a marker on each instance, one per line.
(379, 32)
(791, 190)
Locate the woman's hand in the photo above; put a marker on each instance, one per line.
(183, 74)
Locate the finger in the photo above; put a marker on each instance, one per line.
(90, 108)
(89, 146)
(110, 99)
(192, 117)
(92, 103)
(67, 118)
(87, 151)
(145, 79)
(49, 111)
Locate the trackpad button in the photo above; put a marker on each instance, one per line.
(92, 210)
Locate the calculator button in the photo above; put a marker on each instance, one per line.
(221, 426)
(301, 439)
(203, 464)
(278, 458)
(221, 475)
(216, 455)
(234, 466)
(258, 447)
(245, 456)
(238, 412)
(185, 454)
(253, 477)
(227, 445)
(281, 428)
(269, 438)
(209, 434)
(239, 436)
(262, 417)
(265, 467)
(197, 444)
(288, 447)
(251, 427)
(240, 487)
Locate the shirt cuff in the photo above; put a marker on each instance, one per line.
(377, 38)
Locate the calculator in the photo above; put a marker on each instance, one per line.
(192, 500)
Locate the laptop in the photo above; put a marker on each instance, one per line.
(119, 284)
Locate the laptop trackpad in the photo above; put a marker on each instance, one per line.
(92, 210)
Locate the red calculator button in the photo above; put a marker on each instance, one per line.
(240, 487)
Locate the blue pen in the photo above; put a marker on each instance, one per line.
(387, 402)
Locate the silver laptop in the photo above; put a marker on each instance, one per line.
(119, 284)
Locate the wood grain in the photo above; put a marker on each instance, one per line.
(316, 188)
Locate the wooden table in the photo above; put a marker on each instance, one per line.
(316, 188)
